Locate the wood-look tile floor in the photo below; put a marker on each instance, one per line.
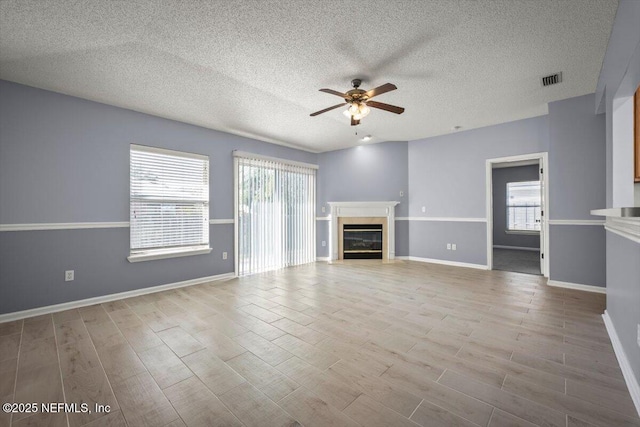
(362, 343)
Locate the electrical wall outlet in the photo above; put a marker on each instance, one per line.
(224, 255)
(402, 194)
(324, 209)
(424, 209)
(448, 246)
(453, 247)
(324, 243)
(69, 275)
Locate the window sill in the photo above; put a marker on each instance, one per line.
(169, 253)
(525, 232)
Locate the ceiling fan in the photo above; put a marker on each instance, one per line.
(359, 101)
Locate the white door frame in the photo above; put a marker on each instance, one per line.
(543, 161)
(236, 200)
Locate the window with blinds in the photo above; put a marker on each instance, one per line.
(169, 201)
(523, 206)
(275, 213)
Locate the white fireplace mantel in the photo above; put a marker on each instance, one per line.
(363, 209)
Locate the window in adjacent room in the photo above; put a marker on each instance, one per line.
(523, 206)
(169, 203)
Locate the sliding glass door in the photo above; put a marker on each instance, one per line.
(275, 209)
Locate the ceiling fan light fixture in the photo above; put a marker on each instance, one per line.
(358, 99)
(357, 110)
(364, 110)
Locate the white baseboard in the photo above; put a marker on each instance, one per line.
(443, 262)
(577, 286)
(323, 259)
(516, 248)
(625, 366)
(111, 297)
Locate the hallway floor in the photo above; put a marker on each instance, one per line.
(518, 261)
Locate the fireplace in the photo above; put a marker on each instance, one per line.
(362, 241)
(372, 215)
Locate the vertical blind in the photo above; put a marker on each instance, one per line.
(523, 206)
(169, 206)
(275, 203)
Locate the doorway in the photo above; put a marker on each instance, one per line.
(517, 208)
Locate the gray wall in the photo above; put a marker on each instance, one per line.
(623, 294)
(402, 238)
(500, 178)
(576, 186)
(71, 156)
(447, 177)
(322, 236)
(620, 76)
(447, 173)
(577, 254)
(371, 172)
(577, 159)
(64, 159)
(33, 264)
(428, 239)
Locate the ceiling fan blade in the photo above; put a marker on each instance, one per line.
(354, 122)
(334, 92)
(387, 87)
(386, 107)
(327, 109)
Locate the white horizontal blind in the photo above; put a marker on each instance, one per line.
(523, 206)
(169, 206)
(275, 211)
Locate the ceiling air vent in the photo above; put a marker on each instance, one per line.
(552, 79)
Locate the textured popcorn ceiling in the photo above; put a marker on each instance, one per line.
(253, 68)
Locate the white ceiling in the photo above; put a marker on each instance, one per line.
(253, 68)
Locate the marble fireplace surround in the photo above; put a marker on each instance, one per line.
(351, 213)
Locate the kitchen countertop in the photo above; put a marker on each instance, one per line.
(631, 212)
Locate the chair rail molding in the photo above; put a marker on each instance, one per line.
(42, 226)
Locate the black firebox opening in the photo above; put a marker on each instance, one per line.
(362, 241)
